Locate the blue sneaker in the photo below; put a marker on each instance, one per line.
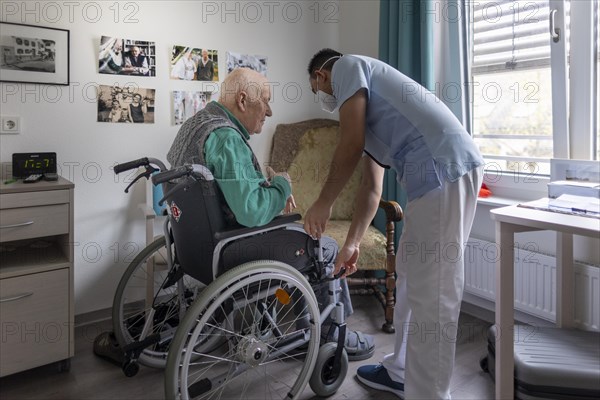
(377, 377)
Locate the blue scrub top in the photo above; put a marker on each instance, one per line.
(407, 127)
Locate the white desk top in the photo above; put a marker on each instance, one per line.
(547, 220)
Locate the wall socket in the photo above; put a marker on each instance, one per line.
(10, 125)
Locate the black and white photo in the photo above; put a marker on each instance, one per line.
(256, 62)
(33, 54)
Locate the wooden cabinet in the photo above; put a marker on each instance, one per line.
(36, 275)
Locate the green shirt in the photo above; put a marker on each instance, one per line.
(230, 160)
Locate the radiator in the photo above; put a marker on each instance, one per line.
(535, 282)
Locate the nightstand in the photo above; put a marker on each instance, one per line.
(36, 275)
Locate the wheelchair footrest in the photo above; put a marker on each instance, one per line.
(341, 341)
(107, 347)
(134, 349)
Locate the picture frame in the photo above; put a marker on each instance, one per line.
(124, 56)
(34, 54)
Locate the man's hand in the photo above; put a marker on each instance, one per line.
(347, 258)
(271, 174)
(290, 205)
(315, 220)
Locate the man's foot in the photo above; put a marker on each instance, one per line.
(377, 377)
(359, 346)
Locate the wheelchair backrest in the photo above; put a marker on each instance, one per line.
(195, 211)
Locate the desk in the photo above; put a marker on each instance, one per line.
(514, 219)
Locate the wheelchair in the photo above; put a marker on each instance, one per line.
(246, 320)
(152, 295)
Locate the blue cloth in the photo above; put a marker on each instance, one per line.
(407, 126)
(157, 194)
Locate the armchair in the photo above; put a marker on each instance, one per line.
(305, 150)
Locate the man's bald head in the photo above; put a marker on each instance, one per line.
(246, 94)
(241, 80)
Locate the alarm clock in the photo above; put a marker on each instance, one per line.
(26, 164)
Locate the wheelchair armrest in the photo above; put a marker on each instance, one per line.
(280, 220)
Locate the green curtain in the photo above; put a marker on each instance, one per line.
(406, 43)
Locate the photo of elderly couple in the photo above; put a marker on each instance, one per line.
(119, 56)
(192, 64)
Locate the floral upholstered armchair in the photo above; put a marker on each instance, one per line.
(305, 150)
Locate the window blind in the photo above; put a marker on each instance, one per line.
(511, 34)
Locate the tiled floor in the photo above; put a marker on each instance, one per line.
(91, 377)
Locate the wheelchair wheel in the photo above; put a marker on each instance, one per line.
(150, 300)
(269, 315)
(324, 382)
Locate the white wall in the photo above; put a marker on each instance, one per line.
(359, 28)
(63, 119)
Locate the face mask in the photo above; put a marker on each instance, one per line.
(328, 102)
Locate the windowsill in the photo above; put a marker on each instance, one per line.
(511, 189)
(496, 201)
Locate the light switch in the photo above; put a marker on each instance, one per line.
(10, 124)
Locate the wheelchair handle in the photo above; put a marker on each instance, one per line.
(171, 174)
(195, 170)
(145, 161)
(339, 274)
(126, 166)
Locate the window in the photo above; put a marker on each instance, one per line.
(520, 84)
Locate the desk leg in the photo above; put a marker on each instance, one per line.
(505, 301)
(564, 280)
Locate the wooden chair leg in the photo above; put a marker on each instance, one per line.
(390, 270)
(390, 299)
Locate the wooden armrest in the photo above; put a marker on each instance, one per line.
(393, 211)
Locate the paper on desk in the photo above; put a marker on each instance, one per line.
(577, 204)
(567, 204)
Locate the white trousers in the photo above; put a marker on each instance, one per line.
(429, 287)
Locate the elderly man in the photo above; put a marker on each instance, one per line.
(136, 63)
(217, 137)
(206, 70)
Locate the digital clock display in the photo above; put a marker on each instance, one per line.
(25, 164)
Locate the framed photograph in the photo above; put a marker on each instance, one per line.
(128, 104)
(186, 104)
(255, 62)
(194, 64)
(34, 54)
(119, 56)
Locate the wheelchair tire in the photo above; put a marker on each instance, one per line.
(323, 381)
(140, 310)
(252, 364)
(130, 368)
